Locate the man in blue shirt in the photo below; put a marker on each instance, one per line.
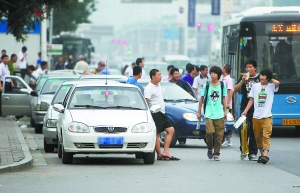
(102, 68)
(191, 74)
(137, 74)
(175, 74)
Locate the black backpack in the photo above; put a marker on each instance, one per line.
(207, 87)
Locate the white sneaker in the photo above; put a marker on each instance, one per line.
(229, 142)
(225, 143)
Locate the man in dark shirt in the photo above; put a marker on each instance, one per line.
(59, 65)
(175, 74)
(245, 86)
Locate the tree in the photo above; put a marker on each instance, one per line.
(21, 14)
(68, 20)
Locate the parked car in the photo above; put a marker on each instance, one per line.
(100, 118)
(181, 108)
(120, 78)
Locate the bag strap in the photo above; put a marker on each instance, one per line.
(207, 87)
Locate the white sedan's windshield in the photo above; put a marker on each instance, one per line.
(107, 98)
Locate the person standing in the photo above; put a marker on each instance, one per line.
(59, 65)
(169, 77)
(4, 71)
(32, 73)
(69, 65)
(175, 78)
(39, 60)
(44, 66)
(141, 63)
(13, 59)
(245, 84)
(81, 64)
(137, 74)
(22, 56)
(262, 95)
(129, 70)
(214, 112)
(3, 52)
(226, 70)
(191, 74)
(154, 96)
(200, 80)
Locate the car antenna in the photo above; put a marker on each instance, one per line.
(106, 73)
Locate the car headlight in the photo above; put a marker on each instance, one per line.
(142, 128)
(78, 127)
(42, 107)
(51, 123)
(190, 117)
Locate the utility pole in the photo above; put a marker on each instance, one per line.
(44, 36)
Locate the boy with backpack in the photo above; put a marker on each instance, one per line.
(213, 94)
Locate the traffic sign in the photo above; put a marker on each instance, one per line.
(54, 49)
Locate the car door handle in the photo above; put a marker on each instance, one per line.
(6, 98)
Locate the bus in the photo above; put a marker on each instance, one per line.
(75, 45)
(271, 36)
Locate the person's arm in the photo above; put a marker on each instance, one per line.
(147, 100)
(230, 94)
(24, 56)
(0, 88)
(250, 103)
(195, 90)
(224, 106)
(238, 86)
(276, 82)
(200, 106)
(12, 83)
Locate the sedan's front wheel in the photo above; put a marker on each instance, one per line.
(59, 150)
(38, 128)
(67, 158)
(149, 158)
(48, 147)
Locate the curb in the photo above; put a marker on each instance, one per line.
(24, 164)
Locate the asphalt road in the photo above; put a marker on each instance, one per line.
(193, 173)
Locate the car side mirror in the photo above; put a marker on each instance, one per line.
(26, 91)
(34, 93)
(59, 108)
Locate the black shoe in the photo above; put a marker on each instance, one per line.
(264, 159)
(259, 159)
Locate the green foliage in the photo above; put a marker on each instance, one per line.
(20, 14)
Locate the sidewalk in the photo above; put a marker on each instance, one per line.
(14, 152)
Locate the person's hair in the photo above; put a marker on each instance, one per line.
(3, 51)
(3, 56)
(267, 73)
(133, 64)
(43, 63)
(190, 68)
(101, 63)
(39, 53)
(227, 68)
(153, 73)
(13, 55)
(24, 48)
(251, 61)
(197, 68)
(187, 66)
(137, 70)
(169, 67)
(30, 67)
(216, 70)
(173, 70)
(202, 67)
(138, 61)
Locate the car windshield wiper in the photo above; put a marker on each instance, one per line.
(90, 106)
(180, 100)
(124, 107)
(48, 93)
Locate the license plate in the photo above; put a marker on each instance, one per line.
(290, 121)
(110, 141)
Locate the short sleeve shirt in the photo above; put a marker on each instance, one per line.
(198, 83)
(229, 85)
(263, 101)
(182, 84)
(214, 106)
(132, 81)
(155, 95)
(22, 64)
(4, 71)
(188, 78)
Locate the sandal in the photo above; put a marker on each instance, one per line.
(171, 158)
(259, 159)
(163, 158)
(264, 159)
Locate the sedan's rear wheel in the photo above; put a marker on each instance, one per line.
(38, 128)
(48, 147)
(149, 158)
(32, 123)
(163, 136)
(67, 158)
(59, 151)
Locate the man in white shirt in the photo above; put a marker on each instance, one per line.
(141, 63)
(81, 64)
(4, 71)
(23, 61)
(43, 68)
(32, 74)
(154, 96)
(200, 80)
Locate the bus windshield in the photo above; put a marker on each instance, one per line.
(272, 47)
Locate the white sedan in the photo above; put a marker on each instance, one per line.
(100, 118)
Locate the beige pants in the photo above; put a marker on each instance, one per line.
(262, 132)
(214, 134)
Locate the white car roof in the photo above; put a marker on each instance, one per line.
(103, 77)
(78, 82)
(100, 83)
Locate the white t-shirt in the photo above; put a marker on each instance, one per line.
(22, 64)
(4, 71)
(35, 74)
(40, 71)
(128, 71)
(262, 101)
(155, 94)
(144, 75)
(198, 84)
(81, 65)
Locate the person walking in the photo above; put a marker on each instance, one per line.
(214, 112)
(154, 96)
(81, 64)
(39, 60)
(244, 85)
(175, 78)
(169, 77)
(191, 74)
(261, 97)
(137, 74)
(59, 65)
(200, 80)
(22, 56)
(226, 70)
(44, 66)
(13, 59)
(141, 63)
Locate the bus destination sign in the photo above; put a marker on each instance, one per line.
(282, 28)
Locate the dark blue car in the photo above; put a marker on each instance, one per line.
(181, 108)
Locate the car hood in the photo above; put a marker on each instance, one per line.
(185, 106)
(46, 98)
(109, 117)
